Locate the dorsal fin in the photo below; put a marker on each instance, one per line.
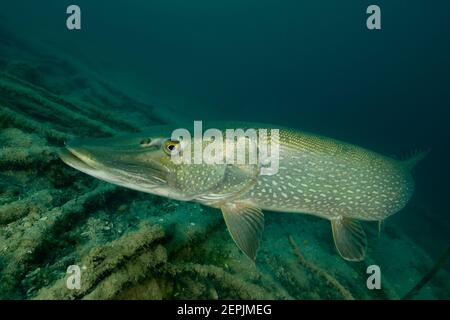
(412, 158)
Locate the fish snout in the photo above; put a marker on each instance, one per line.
(80, 150)
(83, 152)
(116, 161)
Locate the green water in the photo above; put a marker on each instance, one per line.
(310, 65)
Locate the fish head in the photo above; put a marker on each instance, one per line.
(143, 162)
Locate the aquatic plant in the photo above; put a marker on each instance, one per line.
(329, 279)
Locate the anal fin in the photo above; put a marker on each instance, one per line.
(245, 224)
(349, 238)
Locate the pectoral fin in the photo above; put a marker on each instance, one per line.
(349, 238)
(236, 181)
(245, 224)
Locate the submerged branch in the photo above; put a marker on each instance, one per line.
(439, 264)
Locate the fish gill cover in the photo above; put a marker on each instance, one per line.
(132, 245)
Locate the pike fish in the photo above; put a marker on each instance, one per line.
(320, 176)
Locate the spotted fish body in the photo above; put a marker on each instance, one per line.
(332, 179)
(316, 175)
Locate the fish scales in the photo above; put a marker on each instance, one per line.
(316, 175)
(323, 177)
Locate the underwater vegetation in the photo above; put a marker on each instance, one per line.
(131, 245)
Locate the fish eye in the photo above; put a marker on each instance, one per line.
(171, 146)
(145, 142)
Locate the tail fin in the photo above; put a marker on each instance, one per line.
(411, 159)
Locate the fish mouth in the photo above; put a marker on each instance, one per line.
(73, 159)
(81, 162)
(117, 165)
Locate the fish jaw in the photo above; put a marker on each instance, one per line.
(115, 166)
